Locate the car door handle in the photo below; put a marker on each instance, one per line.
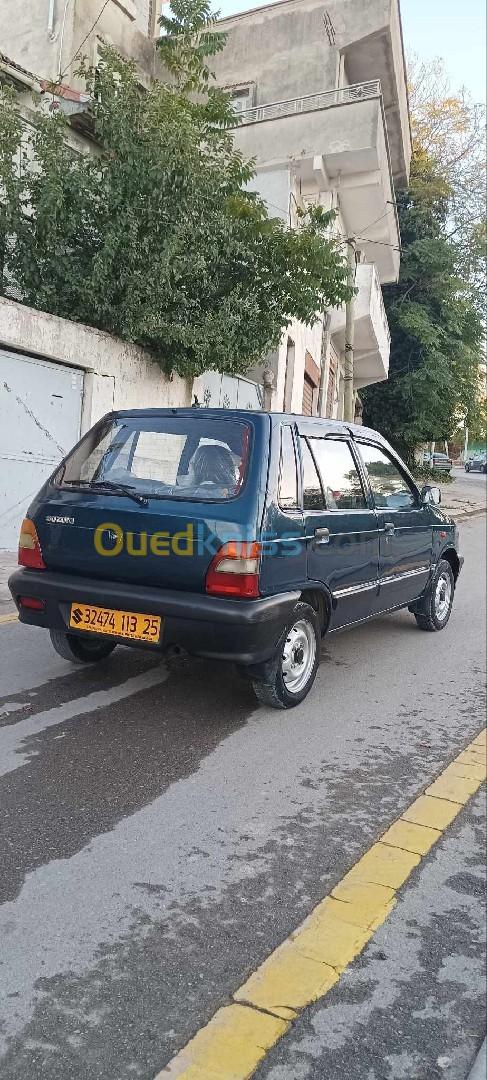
(389, 527)
(322, 536)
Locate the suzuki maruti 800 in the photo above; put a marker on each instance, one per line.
(234, 535)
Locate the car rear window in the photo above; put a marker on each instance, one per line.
(172, 457)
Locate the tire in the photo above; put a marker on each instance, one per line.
(79, 651)
(435, 609)
(288, 677)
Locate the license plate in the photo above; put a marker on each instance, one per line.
(125, 624)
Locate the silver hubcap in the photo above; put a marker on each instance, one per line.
(442, 597)
(298, 656)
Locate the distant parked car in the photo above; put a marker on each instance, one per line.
(437, 461)
(477, 463)
(441, 462)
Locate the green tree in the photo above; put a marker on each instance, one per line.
(450, 129)
(436, 331)
(155, 237)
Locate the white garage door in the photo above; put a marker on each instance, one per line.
(40, 414)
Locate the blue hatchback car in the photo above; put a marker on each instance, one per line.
(235, 535)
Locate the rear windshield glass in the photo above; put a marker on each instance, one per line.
(175, 457)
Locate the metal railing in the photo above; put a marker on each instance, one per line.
(310, 103)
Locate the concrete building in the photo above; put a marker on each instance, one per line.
(321, 103)
(48, 37)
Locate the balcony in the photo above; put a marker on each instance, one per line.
(372, 335)
(334, 141)
(311, 102)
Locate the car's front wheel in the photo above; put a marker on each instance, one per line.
(79, 650)
(435, 609)
(288, 677)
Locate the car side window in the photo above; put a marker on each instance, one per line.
(288, 475)
(313, 498)
(390, 488)
(341, 481)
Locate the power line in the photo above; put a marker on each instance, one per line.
(78, 50)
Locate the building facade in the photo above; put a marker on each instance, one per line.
(320, 97)
(319, 91)
(49, 37)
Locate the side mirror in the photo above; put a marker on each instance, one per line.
(430, 495)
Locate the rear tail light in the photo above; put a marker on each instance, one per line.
(234, 570)
(30, 553)
(32, 602)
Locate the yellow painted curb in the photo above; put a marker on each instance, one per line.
(8, 618)
(229, 1047)
(310, 962)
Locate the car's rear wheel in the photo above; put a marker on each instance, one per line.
(289, 676)
(79, 650)
(435, 609)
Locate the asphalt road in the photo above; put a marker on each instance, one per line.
(469, 484)
(161, 834)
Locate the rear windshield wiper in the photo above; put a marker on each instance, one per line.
(110, 486)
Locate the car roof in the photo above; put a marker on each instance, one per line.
(337, 426)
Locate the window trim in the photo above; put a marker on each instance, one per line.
(56, 479)
(400, 468)
(289, 509)
(311, 510)
(365, 491)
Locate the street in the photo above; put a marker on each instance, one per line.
(162, 835)
(468, 491)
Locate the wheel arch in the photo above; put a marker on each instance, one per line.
(451, 556)
(320, 600)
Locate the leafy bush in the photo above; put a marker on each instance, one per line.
(154, 237)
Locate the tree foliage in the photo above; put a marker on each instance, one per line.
(449, 128)
(436, 331)
(436, 309)
(155, 237)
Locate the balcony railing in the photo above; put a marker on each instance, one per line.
(311, 102)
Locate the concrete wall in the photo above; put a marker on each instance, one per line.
(274, 186)
(282, 48)
(285, 51)
(26, 38)
(117, 375)
(117, 26)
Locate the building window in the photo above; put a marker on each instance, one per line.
(310, 385)
(242, 98)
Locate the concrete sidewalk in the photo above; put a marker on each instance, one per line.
(467, 495)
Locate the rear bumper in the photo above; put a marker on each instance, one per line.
(244, 631)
